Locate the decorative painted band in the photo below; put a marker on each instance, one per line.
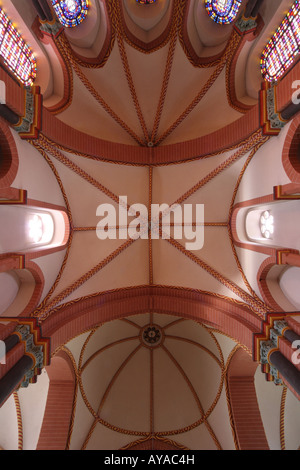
(36, 346)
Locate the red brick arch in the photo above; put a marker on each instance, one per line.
(9, 160)
(230, 317)
(226, 316)
(262, 281)
(243, 403)
(39, 280)
(291, 151)
(16, 262)
(56, 423)
(264, 277)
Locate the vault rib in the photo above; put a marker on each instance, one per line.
(195, 395)
(46, 311)
(105, 395)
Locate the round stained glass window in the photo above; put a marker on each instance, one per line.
(70, 12)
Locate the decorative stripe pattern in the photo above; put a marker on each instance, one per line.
(282, 411)
(19, 420)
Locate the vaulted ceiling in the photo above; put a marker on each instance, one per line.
(135, 79)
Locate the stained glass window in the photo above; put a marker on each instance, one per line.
(15, 52)
(283, 46)
(70, 12)
(223, 11)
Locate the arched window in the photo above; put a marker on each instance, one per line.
(70, 12)
(15, 52)
(283, 46)
(223, 11)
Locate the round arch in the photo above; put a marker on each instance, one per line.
(29, 291)
(268, 280)
(9, 160)
(55, 427)
(291, 151)
(228, 316)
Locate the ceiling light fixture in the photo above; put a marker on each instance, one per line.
(266, 224)
(40, 228)
(35, 226)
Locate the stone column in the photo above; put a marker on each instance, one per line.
(10, 116)
(43, 10)
(252, 8)
(25, 370)
(14, 377)
(46, 9)
(289, 111)
(286, 369)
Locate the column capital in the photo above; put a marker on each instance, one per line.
(270, 119)
(29, 125)
(267, 350)
(35, 346)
